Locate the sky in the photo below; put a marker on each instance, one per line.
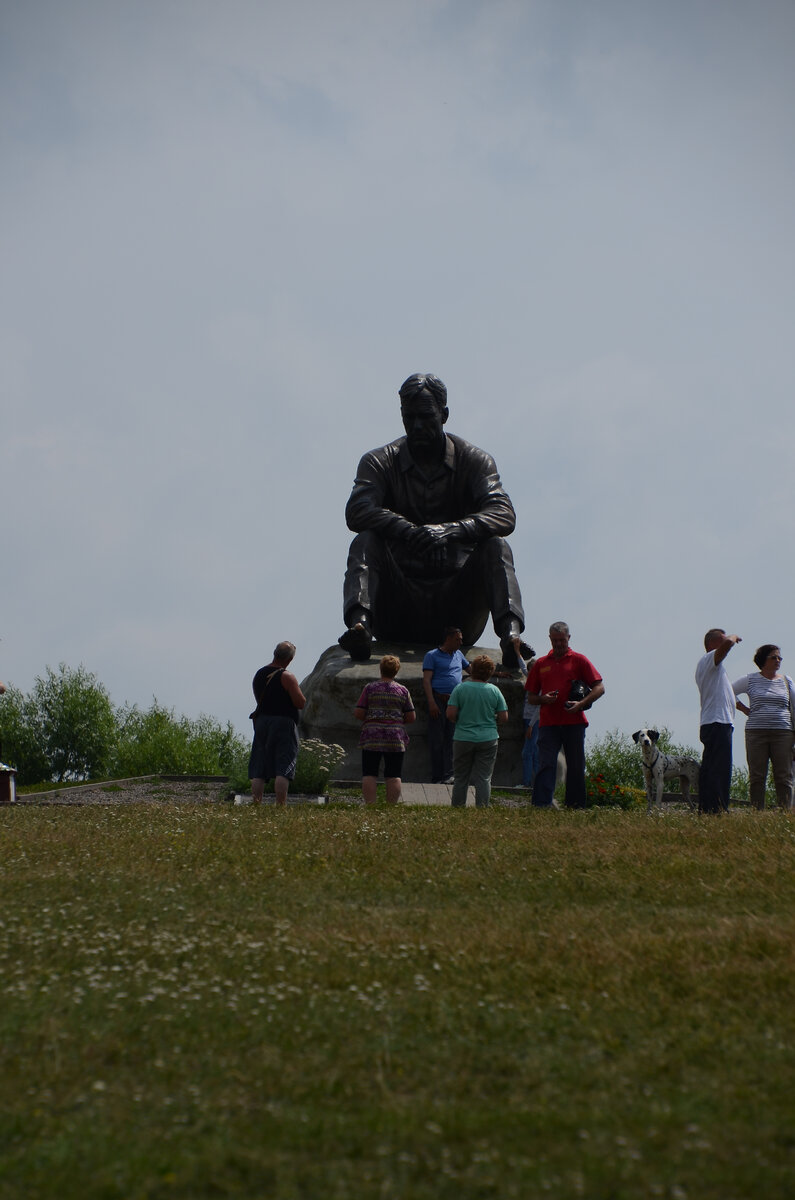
(229, 231)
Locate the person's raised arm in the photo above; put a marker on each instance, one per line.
(725, 646)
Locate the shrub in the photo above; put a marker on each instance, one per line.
(67, 729)
(614, 774)
(64, 729)
(613, 762)
(316, 761)
(20, 744)
(599, 794)
(157, 742)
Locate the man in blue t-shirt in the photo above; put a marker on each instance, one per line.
(442, 670)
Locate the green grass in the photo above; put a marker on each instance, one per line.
(340, 1003)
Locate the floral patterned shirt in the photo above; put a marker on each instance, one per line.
(384, 702)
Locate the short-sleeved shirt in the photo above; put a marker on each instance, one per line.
(549, 674)
(478, 703)
(718, 705)
(385, 703)
(447, 669)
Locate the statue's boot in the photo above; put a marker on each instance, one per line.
(357, 642)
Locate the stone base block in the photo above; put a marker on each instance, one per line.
(336, 683)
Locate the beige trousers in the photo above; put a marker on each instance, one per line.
(774, 746)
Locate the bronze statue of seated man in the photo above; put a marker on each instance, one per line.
(430, 516)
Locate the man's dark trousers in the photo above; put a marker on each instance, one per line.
(715, 774)
(551, 739)
(440, 741)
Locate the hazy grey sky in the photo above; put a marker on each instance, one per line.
(229, 231)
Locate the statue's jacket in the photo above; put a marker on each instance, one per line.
(391, 493)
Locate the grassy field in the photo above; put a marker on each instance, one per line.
(339, 1003)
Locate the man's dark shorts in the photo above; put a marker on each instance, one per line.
(275, 748)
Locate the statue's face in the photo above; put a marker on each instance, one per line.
(423, 421)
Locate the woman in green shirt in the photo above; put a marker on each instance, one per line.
(475, 707)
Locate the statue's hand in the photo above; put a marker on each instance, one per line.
(429, 537)
(431, 541)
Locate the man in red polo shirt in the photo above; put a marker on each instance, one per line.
(562, 722)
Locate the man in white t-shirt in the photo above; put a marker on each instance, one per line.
(718, 706)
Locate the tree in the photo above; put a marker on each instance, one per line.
(20, 744)
(67, 729)
(74, 722)
(156, 742)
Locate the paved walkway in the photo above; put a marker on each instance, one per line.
(439, 794)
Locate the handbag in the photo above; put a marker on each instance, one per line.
(791, 712)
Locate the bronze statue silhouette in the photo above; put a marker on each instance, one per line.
(430, 516)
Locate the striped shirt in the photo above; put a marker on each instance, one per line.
(768, 700)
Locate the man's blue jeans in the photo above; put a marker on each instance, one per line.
(571, 740)
(529, 755)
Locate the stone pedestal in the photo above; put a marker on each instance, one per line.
(336, 683)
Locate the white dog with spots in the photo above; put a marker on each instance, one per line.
(658, 767)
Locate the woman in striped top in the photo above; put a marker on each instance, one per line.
(769, 729)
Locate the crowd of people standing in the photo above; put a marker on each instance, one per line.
(465, 710)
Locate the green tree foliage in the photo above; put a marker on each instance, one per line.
(19, 737)
(156, 742)
(76, 723)
(66, 728)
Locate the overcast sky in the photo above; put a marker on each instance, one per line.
(230, 231)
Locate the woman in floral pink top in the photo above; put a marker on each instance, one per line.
(385, 709)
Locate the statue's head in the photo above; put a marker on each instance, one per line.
(423, 407)
(425, 383)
